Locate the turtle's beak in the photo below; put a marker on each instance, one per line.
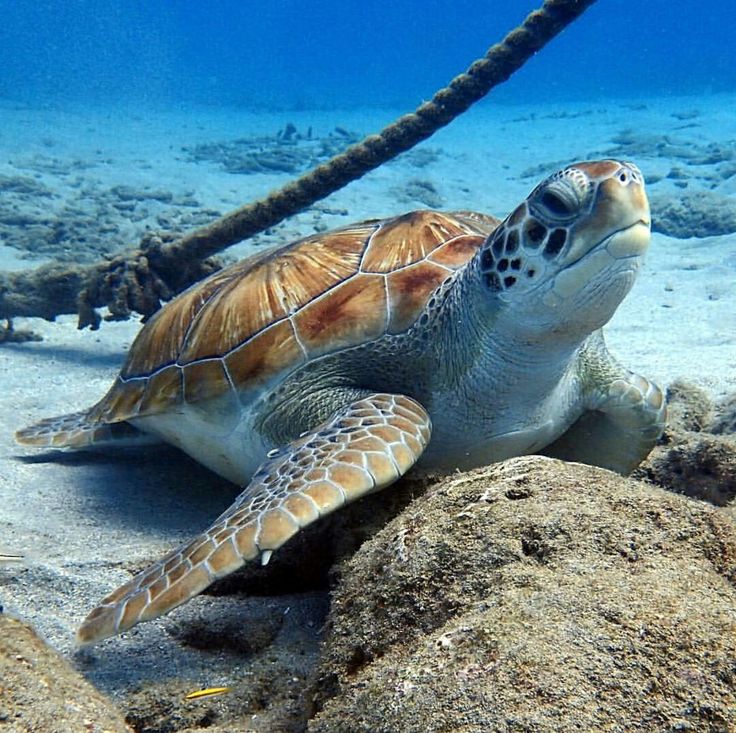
(629, 242)
(619, 221)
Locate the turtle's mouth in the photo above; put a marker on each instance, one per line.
(629, 241)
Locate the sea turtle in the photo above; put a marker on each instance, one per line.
(324, 370)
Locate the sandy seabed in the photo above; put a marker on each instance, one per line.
(93, 177)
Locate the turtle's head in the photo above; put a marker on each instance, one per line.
(569, 254)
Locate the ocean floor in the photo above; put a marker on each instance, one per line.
(78, 184)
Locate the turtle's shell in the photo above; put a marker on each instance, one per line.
(273, 312)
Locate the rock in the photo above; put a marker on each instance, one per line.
(725, 418)
(696, 214)
(536, 595)
(696, 456)
(40, 692)
(132, 193)
(700, 465)
(85, 220)
(288, 151)
(689, 408)
(24, 185)
(421, 190)
(689, 114)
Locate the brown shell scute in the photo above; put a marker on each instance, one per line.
(160, 342)
(274, 289)
(270, 352)
(225, 310)
(271, 313)
(352, 312)
(456, 252)
(204, 380)
(409, 290)
(408, 239)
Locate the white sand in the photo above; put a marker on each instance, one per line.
(79, 520)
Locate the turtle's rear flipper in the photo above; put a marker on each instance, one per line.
(77, 431)
(364, 446)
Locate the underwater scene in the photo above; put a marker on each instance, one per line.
(368, 367)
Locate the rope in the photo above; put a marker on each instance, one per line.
(499, 63)
(140, 279)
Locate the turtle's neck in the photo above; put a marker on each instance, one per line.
(492, 378)
(487, 334)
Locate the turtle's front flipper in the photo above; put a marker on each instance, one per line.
(626, 415)
(363, 447)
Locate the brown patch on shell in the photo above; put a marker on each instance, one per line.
(205, 380)
(124, 398)
(455, 253)
(275, 288)
(161, 339)
(265, 355)
(351, 313)
(409, 289)
(476, 223)
(163, 389)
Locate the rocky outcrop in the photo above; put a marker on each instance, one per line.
(536, 595)
(694, 214)
(697, 453)
(41, 693)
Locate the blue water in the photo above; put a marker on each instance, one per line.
(342, 53)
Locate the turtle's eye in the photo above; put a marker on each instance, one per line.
(555, 204)
(558, 202)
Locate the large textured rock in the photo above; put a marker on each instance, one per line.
(694, 214)
(41, 693)
(724, 422)
(537, 596)
(696, 455)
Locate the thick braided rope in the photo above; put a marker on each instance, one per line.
(139, 279)
(501, 61)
